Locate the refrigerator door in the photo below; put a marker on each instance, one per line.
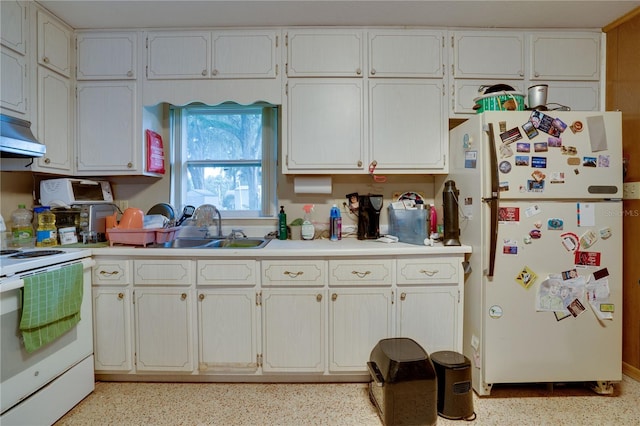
(538, 239)
(570, 155)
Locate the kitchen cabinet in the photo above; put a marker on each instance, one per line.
(54, 43)
(113, 311)
(55, 122)
(325, 52)
(228, 332)
(573, 56)
(106, 134)
(218, 55)
(164, 315)
(491, 55)
(406, 53)
(430, 302)
(106, 55)
(13, 58)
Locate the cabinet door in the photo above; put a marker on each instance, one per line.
(431, 317)
(358, 319)
(565, 56)
(406, 53)
(14, 83)
(227, 330)
(112, 342)
(293, 330)
(488, 54)
(325, 125)
(106, 55)
(164, 329)
(55, 126)
(178, 54)
(577, 95)
(407, 125)
(54, 44)
(14, 25)
(244, 54)
(325, 53)
(106, 130)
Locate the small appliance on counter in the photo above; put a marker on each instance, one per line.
(368, 208)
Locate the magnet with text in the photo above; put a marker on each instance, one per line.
(587, 258)
(535, 186)
(556, 177)
(511, 136)
(532, 211)
(605, 233)
(509, 214)
(526, 277)
(601, 273)
(588, 239)
(576, 307)
(539, 162)
(570, 241)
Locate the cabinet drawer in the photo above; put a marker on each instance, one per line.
(227, 272)
(163, 272)
(307, 273)
(110, 271)
(360, 272)
(428, 270)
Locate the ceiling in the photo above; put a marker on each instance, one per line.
(561, 14)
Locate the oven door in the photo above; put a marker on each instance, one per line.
(22, 373)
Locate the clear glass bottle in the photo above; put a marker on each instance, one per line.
(21, 227)
(46, 233)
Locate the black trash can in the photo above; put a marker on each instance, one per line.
(403, 384)
(455, 396)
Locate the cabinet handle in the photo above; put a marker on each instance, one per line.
(334, 297)
(319, 297)
(130, 165)
(103, 272)
(129, 73)
(201, 296)
(293, 274)
(430, 273)
(521, 73)
(204, 73)
(536, 74)
(360, 274)
(373, 71)
(214, 72)
(45, 60)
(358, 71)
(183, 296)
(120, 296)
(359, 163)
(47, 160)
(403, 296)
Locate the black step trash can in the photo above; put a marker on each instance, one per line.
(403, 384)
(455, 396)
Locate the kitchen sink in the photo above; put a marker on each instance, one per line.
(215, 243)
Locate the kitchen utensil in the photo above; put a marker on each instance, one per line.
(164, 209)
(537, 95)
(187, 212)
(132, 218)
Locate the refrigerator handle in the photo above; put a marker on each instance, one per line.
(494, 201)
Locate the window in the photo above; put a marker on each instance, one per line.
(226, 156)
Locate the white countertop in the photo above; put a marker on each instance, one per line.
(346, 247)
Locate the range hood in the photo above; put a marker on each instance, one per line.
(16, 139)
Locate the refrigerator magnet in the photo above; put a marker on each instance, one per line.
(532, 211)
(540, 162)
(601, 273)
(589, 161)
(605, 233)
(504, 167)
(505, 151)
(570, 241)
(603, 160)
(523, 147)
(576, 307)
(555, 224)
(588, 239)
(511, 136)
(538, 176)
(559, 124)
(540, 147)
(554, 142)
(522, 160)
(560, 315)
(569, 150)
(573, 161)
(526, 277)
(535, 186)
(509, 214)
(587, 258)
(530, 130)
(556, 177)
(470, 159)
(535, 234)
(576, 126)
(495, 312)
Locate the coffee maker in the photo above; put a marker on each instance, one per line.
(368, 208)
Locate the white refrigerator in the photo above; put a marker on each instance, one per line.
(540, 203)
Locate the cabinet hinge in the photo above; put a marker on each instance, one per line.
(146, 43)
(451, 69)
(259, 298)
(444, 159)
(276, 69)
(286, 68)
(286, 89)
(259, 360)
(286, 39)
(146, 71)
(452, 37)
(444, 69)
(458, 296)
(392, 297)
(277, 41)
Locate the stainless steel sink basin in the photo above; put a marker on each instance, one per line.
(215, 243)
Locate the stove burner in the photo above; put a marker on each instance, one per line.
(8, 252)
(35, 253)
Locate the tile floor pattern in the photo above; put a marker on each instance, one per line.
(117, 403)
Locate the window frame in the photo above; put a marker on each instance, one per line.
(269, 157)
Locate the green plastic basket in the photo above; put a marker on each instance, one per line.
(496, 102)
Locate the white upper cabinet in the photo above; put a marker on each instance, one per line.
(54, 44)
(406, 53)
(325, 53)
(488, 54)
(219, 54)
(14, 83)
(565, 56)
(14, 25)
(106, 55)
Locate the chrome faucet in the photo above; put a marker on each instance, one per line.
(236, 233)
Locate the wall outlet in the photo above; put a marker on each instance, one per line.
(123, 204)
(631, 191)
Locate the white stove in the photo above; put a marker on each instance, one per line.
(14, 262)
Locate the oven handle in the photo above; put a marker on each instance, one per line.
(375, 373)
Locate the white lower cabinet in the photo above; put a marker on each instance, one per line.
(358, 319)
(112, 339)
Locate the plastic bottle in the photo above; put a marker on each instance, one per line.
(21, 228)
(282, 224)
(46, 233)
(335, 224)
(433, 219)
(308, 230)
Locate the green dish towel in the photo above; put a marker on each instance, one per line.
(50, 305)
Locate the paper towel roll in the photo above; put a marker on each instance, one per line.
(312, 184)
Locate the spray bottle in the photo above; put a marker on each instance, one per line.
(308, 230)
